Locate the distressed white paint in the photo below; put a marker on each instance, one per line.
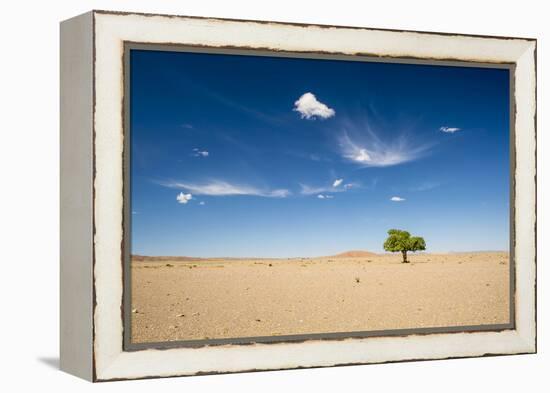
(112, 30)
(76, 172)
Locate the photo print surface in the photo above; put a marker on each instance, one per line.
(279, 197)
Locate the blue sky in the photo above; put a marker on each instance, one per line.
(278, 157)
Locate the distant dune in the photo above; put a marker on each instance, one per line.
(148, 258)
(145, 258)
(355, 254)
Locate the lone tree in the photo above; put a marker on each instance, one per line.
(399, 240)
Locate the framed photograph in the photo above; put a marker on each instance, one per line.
(247, 195)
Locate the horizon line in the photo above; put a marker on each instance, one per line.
(317, 256)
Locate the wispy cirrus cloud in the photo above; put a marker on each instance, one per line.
(397, 199)
(328, 189)
(325, 196)
(313, 190)
(363, 146)
(310, 108)
(449, 130)
(223, 188)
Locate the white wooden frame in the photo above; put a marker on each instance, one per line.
(92, 144)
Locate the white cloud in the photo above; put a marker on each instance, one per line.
(362, 156)
(309, 107)
(321, 196)
(200, 153)
(184, 198)
(187, 126)
(202, 203)
(369, 150)
(337, 182)
(450, 130)
(222, 188)
(397, 199)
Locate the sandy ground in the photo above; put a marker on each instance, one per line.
(222, 298)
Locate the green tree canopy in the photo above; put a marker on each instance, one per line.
(402, 241)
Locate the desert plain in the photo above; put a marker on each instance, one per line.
(183, 298)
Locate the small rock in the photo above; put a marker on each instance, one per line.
(180, 315)
(134, 310)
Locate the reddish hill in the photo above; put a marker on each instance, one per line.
(355, 254)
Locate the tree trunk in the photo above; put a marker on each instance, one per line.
(404, 256)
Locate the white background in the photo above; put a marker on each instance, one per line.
(29, 205)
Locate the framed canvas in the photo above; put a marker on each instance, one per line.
(245, 195)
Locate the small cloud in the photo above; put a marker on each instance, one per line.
(347, 186)
(200, 153)
(309, 107)
(337, 182)
(397, 199)
(321, 196)
(184, 198)
(187, 126)
(134, 212)
(449, 130)
(202, 203)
